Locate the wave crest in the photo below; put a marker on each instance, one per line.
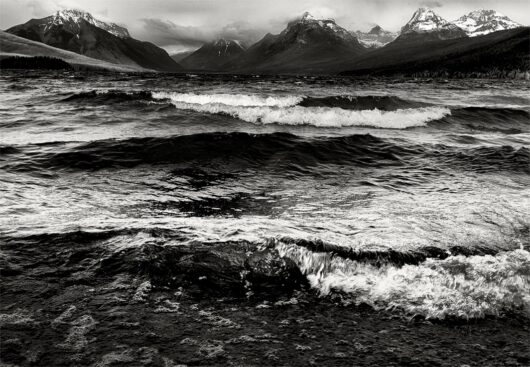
(324, 116)
(240, 100)
(339, 111)
(458, 286)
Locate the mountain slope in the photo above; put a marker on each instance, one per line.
(426, 25)
(307, 45)
(214, 55)
(11, 45)
(496, 53)
(72, 31)
(481, 22)
(179, 56)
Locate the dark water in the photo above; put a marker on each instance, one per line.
(406, 196)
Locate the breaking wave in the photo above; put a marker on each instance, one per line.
(455, 287)
(240, 100)
(319, 112)
(387, 112)
(325, 116)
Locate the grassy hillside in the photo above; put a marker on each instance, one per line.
(11, 45)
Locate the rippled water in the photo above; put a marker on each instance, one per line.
(411, 196)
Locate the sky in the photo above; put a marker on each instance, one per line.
(179, 25)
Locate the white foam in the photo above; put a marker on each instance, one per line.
(459, 286)
(284, 110)
(241, 100)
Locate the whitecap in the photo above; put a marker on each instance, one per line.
(458, 286)
(241, 100)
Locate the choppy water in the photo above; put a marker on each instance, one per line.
(410, 196)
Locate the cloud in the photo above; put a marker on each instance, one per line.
(431, 4)
(36, 8)
(242, 31)
(167, 33)
(174, 37)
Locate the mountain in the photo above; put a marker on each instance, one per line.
(482, 22)
(499, 54)
(307, 45)
(214, 55)
(426, 25)
(376, 37)
(73, 16)
(14, 46)
(79, 32)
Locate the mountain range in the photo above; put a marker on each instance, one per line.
(307, 45)
(425, 25)
(481, 22)
(497, 54)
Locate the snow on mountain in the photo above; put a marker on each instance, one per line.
(228, 47)
(376, 37)
(426, 25)
(73, 16)
(480, 22)
(425, 20)
(327, 25)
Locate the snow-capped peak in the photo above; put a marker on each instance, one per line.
(307, 17)
(480, 22)
(424, 20)
(327, 24)
(376, 37)
(75, 16)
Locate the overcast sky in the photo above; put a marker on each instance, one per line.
(185, 24)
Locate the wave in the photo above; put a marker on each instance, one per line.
(319, 112)
(461, 283)
(384, 256)
(484, 159)
(457, 286)
(240, 100)
(282, 152)
(108, 97)
(325, 116)
(386, 112)
(280, 149)
(384, 103)
(505, 120)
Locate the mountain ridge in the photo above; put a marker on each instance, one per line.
(214, 55)
(481, 22)
(14, 46)
(497, 54)
(307, 44)
(72, 32)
